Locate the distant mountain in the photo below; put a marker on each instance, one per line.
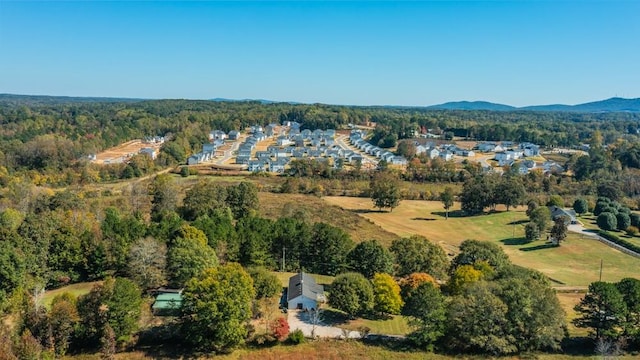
(472, 105)
(615, 104)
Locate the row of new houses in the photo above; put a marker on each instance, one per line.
(357, 140)
(444, 151)
(276, 157)
(528, 149)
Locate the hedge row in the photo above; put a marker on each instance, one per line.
(622, 242)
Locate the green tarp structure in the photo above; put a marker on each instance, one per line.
(167, 304)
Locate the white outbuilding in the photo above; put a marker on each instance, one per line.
(303, 292)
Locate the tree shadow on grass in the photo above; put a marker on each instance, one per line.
(165, 342)
(333, 317)
(514, 241)
(539, 247)
(391, 343)
(367, 211)
(519, 222)
(452, 214)
(524, 241)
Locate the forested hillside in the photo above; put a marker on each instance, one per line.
(48, 140)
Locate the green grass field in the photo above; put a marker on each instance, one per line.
(575, 263)
(284, 278)
(74, 289)
(395, 325)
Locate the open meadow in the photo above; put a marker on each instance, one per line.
(576, 263)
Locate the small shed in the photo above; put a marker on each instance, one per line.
(167, 304)
(303, 292)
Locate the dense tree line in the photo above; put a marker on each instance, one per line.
(486, 306)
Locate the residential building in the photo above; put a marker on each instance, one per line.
(304, 293)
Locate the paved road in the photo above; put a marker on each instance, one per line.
(299, 319)
(341, 140)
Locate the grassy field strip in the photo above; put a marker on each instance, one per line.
(575, 263)
(284, 278)
(74, 289)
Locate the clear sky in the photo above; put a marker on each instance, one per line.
(362, 53)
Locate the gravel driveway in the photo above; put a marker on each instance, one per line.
(299, 319)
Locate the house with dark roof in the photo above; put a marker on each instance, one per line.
(303, 292)
(568, 214)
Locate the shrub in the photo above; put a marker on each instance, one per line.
(623, 221)
(280, 328)
(581, 206)
(607, 221)
(635, 219)
(632, 231)
(556, 200)
(184, 171)
(296, 337)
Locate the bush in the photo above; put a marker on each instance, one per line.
(556, 200)
(184, 171)
(296, 337)
(632, 231)
(623, 221)
(581, 206)
(607, 221)
(280, 328)
(601, 205)
(635, 219)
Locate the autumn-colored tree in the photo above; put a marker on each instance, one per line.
(386, 294)
(63, 318)
(280, 328)
(462, 277)
(412, 281)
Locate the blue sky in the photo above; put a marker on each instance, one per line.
(362, 53)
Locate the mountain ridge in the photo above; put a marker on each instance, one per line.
(614, 104)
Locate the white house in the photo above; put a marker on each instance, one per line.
(234, 135)
(303, 292)
(446, 155)
(217, 135)
(503, 157)
(399, 160)
(284, 141)
(433, 153)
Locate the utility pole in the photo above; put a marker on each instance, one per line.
(600, 269)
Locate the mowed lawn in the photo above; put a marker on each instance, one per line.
(394, 325)
(575, 263)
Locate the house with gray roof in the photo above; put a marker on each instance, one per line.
(234, 135)
(304, 293)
